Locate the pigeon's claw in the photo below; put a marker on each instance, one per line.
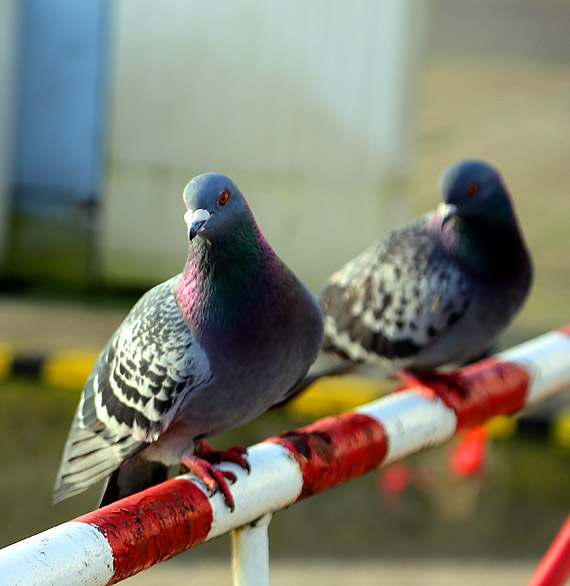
(202, 462)
(446, 385)
(237, 456)
(214, 478)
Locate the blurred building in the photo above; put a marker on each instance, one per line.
(55, 56)
(9, 20)
(310, 108)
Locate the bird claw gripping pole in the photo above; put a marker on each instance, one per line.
(444, 385)
(202, 462)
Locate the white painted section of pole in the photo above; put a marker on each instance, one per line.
(547, 359)
(71, 554)
(411, 421)
(250, 553)
(274, 483)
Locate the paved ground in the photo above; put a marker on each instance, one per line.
(348, 573)
(32, 325)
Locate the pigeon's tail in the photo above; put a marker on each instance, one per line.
(134, 475)
(325, 365)
(88, 457)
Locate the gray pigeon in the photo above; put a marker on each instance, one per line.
(438, 290)
(204, 352)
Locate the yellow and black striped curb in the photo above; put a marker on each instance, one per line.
(69, 369)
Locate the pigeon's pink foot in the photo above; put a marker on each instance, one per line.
(446, 385)
(202, 462)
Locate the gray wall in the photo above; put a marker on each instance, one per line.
(310, 107)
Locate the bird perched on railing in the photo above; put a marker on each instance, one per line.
(202, 353)
(438, 290)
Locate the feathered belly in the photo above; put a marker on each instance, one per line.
(223, 405)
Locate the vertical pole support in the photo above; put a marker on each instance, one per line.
(250, 553)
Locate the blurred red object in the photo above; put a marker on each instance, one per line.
(468, 458)
(395, 479)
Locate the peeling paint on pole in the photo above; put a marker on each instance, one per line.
(335, 449)
(145, 529)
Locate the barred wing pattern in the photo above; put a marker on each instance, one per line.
(142, 376)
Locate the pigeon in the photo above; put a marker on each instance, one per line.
(438, 290)
(202, 353)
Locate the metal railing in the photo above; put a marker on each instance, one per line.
(110, 544)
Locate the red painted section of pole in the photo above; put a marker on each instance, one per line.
(335, 449)
(152, 526)
(554, 567)
(482, 390)
(495, 388)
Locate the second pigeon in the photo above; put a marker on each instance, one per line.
(438, 290)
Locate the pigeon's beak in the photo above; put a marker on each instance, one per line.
(195, 220)
(445, 211)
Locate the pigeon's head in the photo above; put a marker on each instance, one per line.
(472, 190)
(216, 206)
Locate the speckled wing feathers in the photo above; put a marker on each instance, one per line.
(150, 365)
(391, 301)
(136, 388)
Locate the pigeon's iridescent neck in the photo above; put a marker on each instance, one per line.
(491, 248)
(224, 284)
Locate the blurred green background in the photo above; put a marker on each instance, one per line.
(492, 80)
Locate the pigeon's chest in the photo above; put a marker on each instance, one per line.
(493, 304)
(238, 391)
(258, 353)
(251, 372)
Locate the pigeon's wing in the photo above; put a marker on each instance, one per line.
(135, 389)
(395, 299)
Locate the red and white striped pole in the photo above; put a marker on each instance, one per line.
(121, 539)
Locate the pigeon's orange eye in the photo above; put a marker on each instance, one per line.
(472, 189)
(224, 197)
